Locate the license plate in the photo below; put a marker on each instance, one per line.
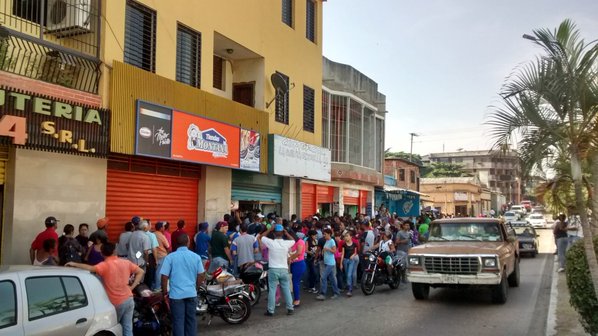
(527, 246)
(450, 278)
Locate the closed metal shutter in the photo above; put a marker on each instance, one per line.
(308, 200)
(325, 194)
(159, 197)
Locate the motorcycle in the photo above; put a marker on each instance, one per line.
(227, 300)
(256, 276)
(151, 315)
(376, 272)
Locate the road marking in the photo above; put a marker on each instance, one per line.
(551, 319)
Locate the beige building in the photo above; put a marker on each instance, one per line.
(459, 196)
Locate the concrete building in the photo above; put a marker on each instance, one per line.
(353, 130)
(500, 172)
(459, 196)
(405, 172)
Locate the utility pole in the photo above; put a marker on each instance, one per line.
(411, 151)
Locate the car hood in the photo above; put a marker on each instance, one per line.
(452, 247)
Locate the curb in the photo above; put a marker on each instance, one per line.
(551, 318)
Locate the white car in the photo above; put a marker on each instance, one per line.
(518, 208)
(52, 301)
(537, 221)
(510, 216)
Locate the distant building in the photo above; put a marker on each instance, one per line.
(500, 172)
(405, 172)
(459, 196)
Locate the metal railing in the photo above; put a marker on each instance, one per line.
(57, 41)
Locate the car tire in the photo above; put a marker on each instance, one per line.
(515, 276)
(420, 291)
(500, 292)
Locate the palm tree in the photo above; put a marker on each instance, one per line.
(552, 104)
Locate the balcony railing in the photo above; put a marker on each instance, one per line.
(56, 41)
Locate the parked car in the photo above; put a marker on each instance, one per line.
(518, 208)
(528, 238)
(510, 216)
(53, 301)
(466, 252)
(537, 220)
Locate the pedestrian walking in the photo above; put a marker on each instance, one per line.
(329, 272)
(115, 273)
(184, 272)
(278, 271)
(349, 253)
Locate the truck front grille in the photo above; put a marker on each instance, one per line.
(452, 265)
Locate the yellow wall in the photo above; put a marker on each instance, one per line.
(255, 24)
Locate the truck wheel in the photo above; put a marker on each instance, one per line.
(500, 291)
(420, 291)
(514, 277)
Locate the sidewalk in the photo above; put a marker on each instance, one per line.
(566, 320)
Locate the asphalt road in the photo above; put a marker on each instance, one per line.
(392, 312)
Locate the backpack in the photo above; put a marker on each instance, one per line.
(70, 251)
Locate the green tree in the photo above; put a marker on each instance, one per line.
(445, 169)
(551, 103)
(417, 159)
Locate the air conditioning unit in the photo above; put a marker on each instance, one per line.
(68, 17)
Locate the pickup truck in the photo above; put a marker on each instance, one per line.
(465, 252)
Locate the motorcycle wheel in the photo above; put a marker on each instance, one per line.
(240, 312)
(367, 284)
(396, 281)
(254, 297)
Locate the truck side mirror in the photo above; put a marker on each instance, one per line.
(511, 239)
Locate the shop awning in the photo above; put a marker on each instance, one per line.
(397, 190)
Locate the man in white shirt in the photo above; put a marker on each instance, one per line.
(278, 267)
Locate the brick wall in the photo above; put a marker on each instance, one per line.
(392, 168)
(57, 91)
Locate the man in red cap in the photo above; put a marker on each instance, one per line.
(48, 233)
(102, 224)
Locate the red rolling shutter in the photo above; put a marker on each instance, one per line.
(325, 194)
(308, 200)
(157, 197)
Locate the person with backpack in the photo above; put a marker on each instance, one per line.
(69, 248)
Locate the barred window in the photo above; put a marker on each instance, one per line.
(310, 32)
(308, 108)
(338, 128)
(188, 56)
(287, 12)
(402, 175)
(218, 73)
(355, 140)
(282, 103)
(325, 119)
(140, 36)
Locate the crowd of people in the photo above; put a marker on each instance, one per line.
(312, 253)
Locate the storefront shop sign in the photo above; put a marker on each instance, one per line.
(408, 206)
(40, 122)
(295, 158)
(167, 133)
(460, 196)
(250, 150)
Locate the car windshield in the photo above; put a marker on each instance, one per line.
(536, 217)
(509, 214)
(524, 231)
(465, 232)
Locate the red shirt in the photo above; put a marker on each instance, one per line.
(49, 233)
(175, 235)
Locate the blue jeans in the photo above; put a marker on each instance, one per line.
(184, 322)
(124, 315)
(349, 267)
(312, 274)
(297, 270)
(278, 276)
(158, 279)
(562, 245)
(329, 272)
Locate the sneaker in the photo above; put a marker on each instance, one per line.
(320, 297)
(350, 293)
(314, 290)
(335, 296)
(561, 270)
(267, 313)
(277, 304)
(290, 311)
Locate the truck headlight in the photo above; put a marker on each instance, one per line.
(489, 262)
(414, 261)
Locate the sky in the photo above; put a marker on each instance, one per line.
(441, 63)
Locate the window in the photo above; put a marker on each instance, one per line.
(29, 10)
(379, 144)
(402, 175)
(282, 103)
(8, 310)
(369, 147)
(355, 141)
(308, 108)
(140, 36)
(188, 56)
(310, 32)
(287, 12)
(338, 128)
(218, 73)
(325, 119)
(48, 296)
(412, 176)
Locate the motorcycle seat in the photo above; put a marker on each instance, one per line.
(222, 290)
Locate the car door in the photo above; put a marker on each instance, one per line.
(56, 305)
(511, 246)
(11, 321)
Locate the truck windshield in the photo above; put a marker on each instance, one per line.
(465, 232)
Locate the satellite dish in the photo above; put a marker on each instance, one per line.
(279, 82)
